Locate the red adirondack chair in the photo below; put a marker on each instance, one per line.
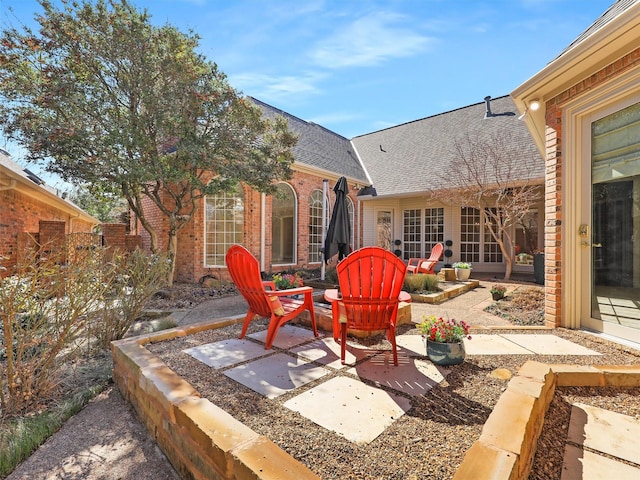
(426, 265)
(263, 298)
(370, 283)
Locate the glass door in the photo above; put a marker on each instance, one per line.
(614, 247)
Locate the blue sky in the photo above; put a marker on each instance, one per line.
(357, 66)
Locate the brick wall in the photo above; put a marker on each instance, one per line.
(553, 177)
(190, 267)
(21, 213)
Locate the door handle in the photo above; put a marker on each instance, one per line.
(596, 245)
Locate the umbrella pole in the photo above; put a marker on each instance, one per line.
(325, 183)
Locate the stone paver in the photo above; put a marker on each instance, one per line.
(227, 352)
(579, 464)
(359, 412)
(604, 431)
(275, 375)
(411, 376)
(327, 352)
(288, 336)
(493, 345)
(548, 344)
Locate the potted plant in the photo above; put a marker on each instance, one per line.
(463, 270)
(498, 291)
(444, 339)
(285, 281)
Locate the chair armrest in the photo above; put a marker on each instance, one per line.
(292, 291)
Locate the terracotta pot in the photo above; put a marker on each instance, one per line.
(445, 353)
(497, 296)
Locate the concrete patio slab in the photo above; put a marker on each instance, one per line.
(482, 344)
(327, 352)
(227, 352)
(411, 376)
(605, 431)
(288, 336)
(276, 374)
(350, 408)
(548, 344)
(579, 464)
(413, 343)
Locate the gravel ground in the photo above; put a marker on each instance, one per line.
(431, 439)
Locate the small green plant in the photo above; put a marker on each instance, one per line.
(437, 329)
(462, 265)
(498, 289)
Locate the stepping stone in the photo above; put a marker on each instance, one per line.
(350, 408)
(288, 336)
(607, 432)
(411, 376)
(548, 344)
(327, 352)
(493, 345)
(227, 352)
(276, 375)
(579, 464)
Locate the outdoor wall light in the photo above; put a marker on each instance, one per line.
(534, 105)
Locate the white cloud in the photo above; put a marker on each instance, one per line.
(268, 88)
(370, 41)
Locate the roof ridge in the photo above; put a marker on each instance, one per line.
(430, 116)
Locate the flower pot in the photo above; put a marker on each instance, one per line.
(497, 296)
(445, 353)
(462, 273)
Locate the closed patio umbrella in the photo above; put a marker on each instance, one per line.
(338, 236)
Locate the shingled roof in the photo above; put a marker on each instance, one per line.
(319, 147)
(409, 158)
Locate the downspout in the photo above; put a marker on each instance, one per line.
(263, 230)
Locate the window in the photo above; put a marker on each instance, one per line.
(491, 248)
(469, 234)
(223, 226)
(283, 225)
(527, 238)
(315, 227)
(433, 228)
(412, 233)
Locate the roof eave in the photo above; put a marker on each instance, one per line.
(603, 47)
(28, 188)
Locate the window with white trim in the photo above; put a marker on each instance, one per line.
(470, 228)
(283, 225)
(433, 228)
(315, 227)
(491, 248)
(223, 226)
(412, 233)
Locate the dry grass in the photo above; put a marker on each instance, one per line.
(525, 306)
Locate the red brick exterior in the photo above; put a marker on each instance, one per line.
(554, 167)
(20, 213)
(190, 267)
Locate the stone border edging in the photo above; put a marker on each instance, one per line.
(201, 440)
(506, 447)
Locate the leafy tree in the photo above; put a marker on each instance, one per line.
(106, 98)
(105, 206)
(497, 177)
